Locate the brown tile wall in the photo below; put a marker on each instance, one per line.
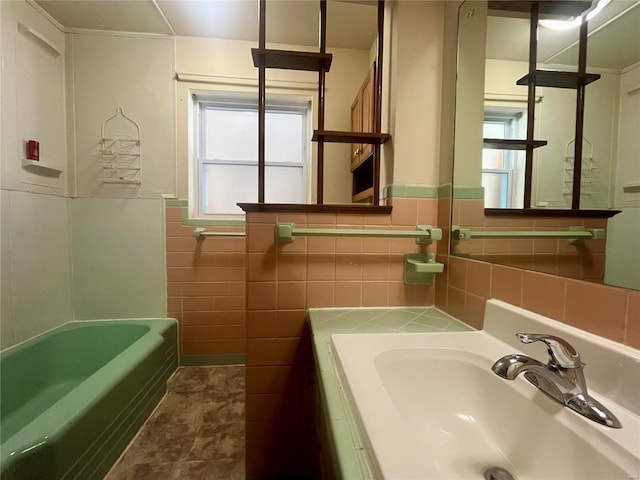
(205, 288)
(553, 256)
(283, 280)
(208, 278)
(610, 312)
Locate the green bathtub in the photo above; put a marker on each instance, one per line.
(74, 397)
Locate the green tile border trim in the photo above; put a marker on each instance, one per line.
(410, 191)
(445, 190)
(468, 193)
(219, 359)
(199, 222)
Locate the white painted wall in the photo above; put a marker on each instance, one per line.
(119, 268)
(622, 267)
(416, 86)
(84, 258)
(33, 99)
(36, 267)
(628, 153)
(470, 95)
(135, 73)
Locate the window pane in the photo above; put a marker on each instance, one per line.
(496, 189)
(231, 134)
(284, 137)
(492, 158)
(284, 185)
(228, 154)
(225, 185)
(494, 129)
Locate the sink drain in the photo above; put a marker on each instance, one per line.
(497, 473)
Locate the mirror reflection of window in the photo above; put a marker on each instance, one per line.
(503, 170)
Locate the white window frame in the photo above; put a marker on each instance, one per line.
(244, 102)
(509, 157)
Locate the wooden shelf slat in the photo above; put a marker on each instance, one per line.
(549, 212)
(360, 209)
(363, 195)
(559, 79)
(562, 8)
(291, 59)
(511, 144)
(332, 136)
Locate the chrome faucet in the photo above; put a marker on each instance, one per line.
(562, 378)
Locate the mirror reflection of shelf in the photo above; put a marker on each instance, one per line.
(511, 143)
(559, 79)
(120, 153)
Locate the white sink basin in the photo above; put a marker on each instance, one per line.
(429, 407)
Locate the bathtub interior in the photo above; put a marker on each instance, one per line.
(37, 374)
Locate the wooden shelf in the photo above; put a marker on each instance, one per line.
(363, 195)
(332, 136)
(549, 212)
(291, 59)
(563, 8)
(511, 144)
(361, 209)
(558, 79)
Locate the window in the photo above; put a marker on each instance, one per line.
(226, 153)
(501, 169)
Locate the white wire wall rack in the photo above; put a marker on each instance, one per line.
(589, 176)
(120, 150)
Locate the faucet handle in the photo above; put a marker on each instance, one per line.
(561, 353)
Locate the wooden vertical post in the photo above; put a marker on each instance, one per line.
(577, 155)
(321, 101)
(531, 104)
(377, 104)
(262, 87)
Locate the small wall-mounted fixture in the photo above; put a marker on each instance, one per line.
(33, 150)
(419, 268)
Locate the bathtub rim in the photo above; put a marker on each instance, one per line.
(68, 323)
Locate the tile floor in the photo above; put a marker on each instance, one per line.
(196, 433)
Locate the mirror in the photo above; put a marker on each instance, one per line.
(493, 49)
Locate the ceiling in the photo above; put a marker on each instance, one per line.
(350, 24)
(614, 38)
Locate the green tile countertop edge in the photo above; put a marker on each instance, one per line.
(349, 455)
